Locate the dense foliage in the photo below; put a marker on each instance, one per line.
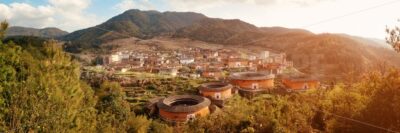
(343, 108)
(40, 91)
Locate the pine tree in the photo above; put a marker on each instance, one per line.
(43, 93)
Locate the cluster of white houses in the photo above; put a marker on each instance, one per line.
(213, 64)
(197, 62)
(207, 63)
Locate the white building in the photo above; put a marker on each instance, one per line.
(186, 60)
(115, 58)
(264, 54)
(252, 57)
(169, 71)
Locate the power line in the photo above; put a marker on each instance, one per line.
(317, 23)
(333, 18)
(349, 119)
(352, 13)
(358, 121)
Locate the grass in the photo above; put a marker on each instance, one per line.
(95, 69)
(159, 86)
(143, 75)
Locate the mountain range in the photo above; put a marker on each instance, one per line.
(142, 24)
(329, 56)
(50, 32)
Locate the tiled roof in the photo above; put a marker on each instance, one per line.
(215, 86)
(251, 76)
(166, 104)
(299, 78)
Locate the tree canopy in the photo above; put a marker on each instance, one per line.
(41, 91)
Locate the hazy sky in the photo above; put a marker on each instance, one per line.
(72, 15)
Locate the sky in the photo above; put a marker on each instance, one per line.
(366, 18)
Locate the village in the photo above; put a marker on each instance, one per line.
(218, 75)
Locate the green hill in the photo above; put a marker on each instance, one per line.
(45, 33)
(135, 23)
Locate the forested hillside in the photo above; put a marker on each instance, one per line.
(40, 91)
(45, 32)
(132, 23)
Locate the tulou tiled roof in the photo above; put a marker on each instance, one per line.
(215, 86)
(299, 78)
(167, 104)
(251, 76)
(302, 79)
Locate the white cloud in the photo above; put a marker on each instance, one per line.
(70, 5)
(203, 4)
(134, 4)
(27, 15)
(65, 14)
(71, 14)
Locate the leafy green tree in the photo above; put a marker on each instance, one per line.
(113, 110)
(158, 127)
(3, 28)
(276, 114)
(43, 94)
(138, 124)
(382, 108)
(116, 115)
(41, 91)
(339, 101)
(347, 108)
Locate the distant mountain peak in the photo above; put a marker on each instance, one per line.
(48, 32)
(135, 23)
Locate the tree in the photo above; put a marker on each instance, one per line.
(342, 101)
(382, 108)
(43, 93)
(393, 37)
(3, 29)
(158, 127)
(113, 110)
(371, 100)
(138, 124)
(276, 114)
